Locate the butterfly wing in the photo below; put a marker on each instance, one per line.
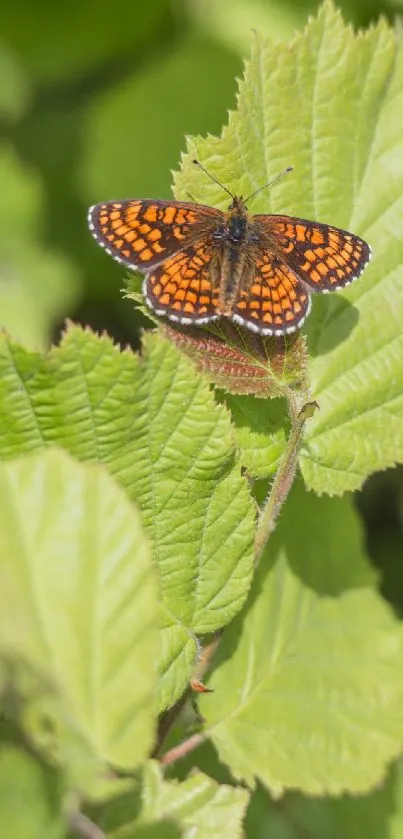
(185, 287)
(275, 302)
(326, 258)
(142, 234)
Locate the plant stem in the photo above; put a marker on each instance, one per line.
(284, 476)
(81, 824)
(183, 749)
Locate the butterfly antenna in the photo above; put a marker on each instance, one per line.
(212, 178)
(270, 183)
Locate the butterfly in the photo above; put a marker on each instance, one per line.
(201, 263)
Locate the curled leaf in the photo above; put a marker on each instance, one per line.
(240, 362)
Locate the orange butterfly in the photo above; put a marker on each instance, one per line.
(201, 263)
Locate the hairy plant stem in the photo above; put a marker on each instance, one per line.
(183, 749)
(284, 476)
(83, 826)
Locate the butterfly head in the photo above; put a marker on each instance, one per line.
(237, 206)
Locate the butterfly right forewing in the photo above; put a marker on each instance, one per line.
(326, 258)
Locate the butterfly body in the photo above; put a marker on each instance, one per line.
(232, 242)
(201, 263)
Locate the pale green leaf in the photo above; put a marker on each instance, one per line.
(205, 809)
(30, 798)
(330, 104)
(78, 603)
(307, 687)
(324, 541)
(202, 808)
(157, 427)
(155, 830)
(235, 21)
(358, 383)
(177, 658)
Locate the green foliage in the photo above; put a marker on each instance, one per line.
(128, 499)
(197, 805)
(161, 434)
(46, 55)
(348, 171)
(376, 815)
(107, 173)
(30, 797)
(14, 97)
(291, 661)
(261, 433)
(35, 284)
(85, 624)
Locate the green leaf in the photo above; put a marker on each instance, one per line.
(30, 798)
(134, 286)
(324, 540)
(198, 805)
(373, 815)
(156, 830)
(157, 427)
(329, 103)
(313, 681)
(201, 806)
(359, 383)
(78, 604)
(235, 21)
(261, 433)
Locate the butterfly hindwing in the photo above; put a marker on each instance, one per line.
(183, 287)
(201, 264)
(275, 302)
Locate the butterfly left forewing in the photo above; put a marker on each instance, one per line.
(143, 233)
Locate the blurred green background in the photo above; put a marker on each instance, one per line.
(95, 103)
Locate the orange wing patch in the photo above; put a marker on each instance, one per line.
(182, 287)
(324, 257)
(275, 303)
(201, 263)
(141, 234)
